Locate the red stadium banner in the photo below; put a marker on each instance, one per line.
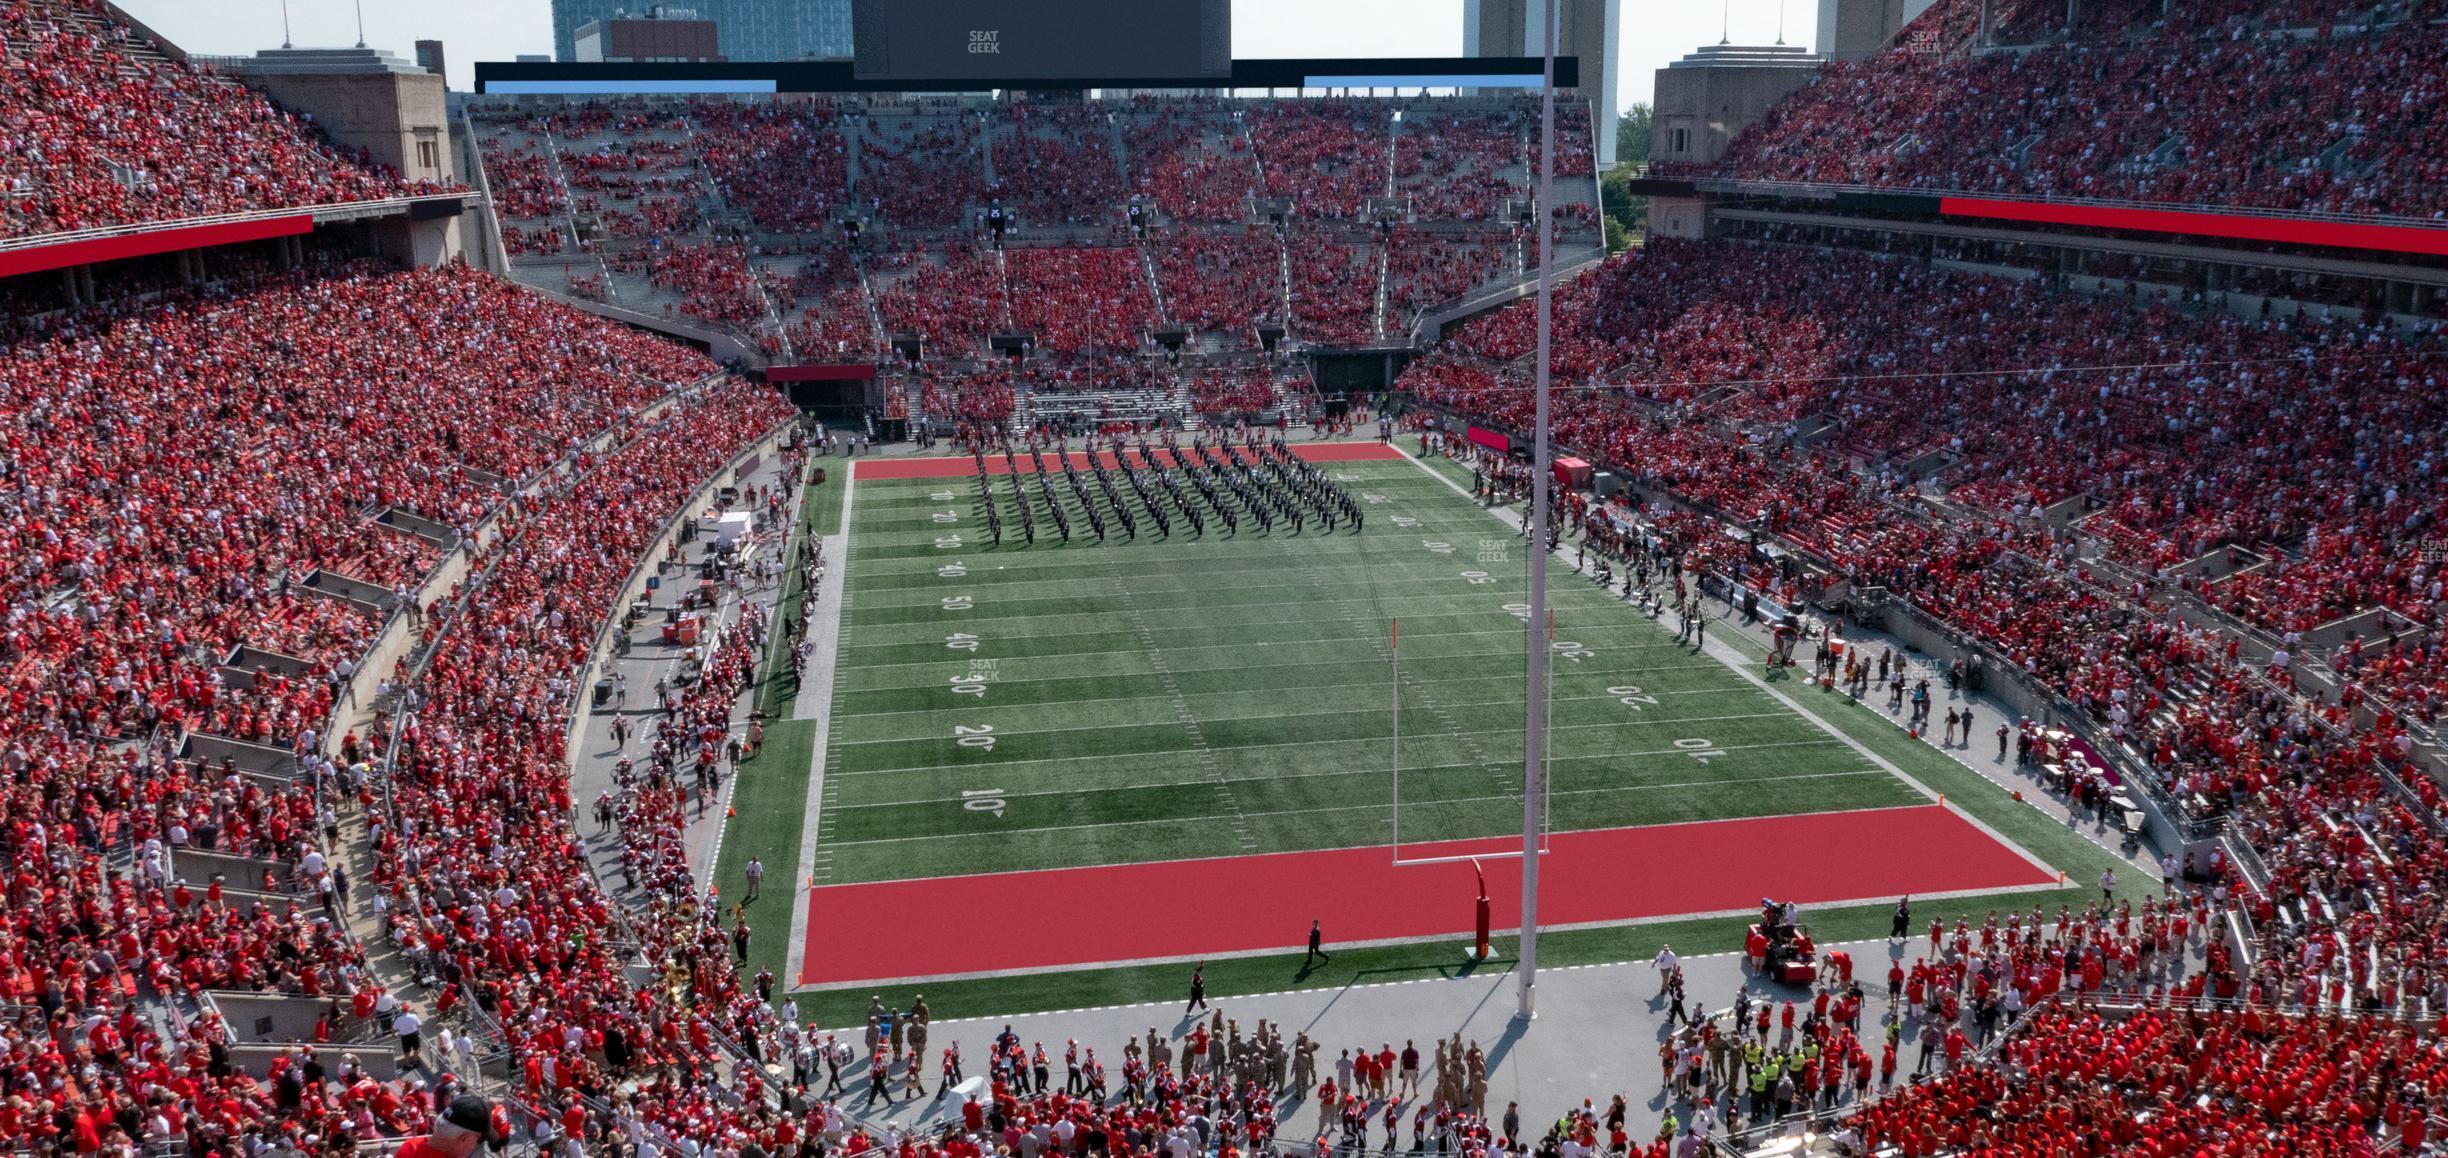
(35, 259)
(1482, 436)
(2288, 230)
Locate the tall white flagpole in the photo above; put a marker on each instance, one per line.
(1534, 716)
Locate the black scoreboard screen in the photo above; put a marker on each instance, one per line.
(972, 41)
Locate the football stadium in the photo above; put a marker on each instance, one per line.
(1020, 580)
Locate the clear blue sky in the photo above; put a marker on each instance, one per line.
(1655, 31)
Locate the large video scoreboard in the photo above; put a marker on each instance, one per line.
(962, 42)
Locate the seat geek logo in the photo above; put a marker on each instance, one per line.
(985, 41)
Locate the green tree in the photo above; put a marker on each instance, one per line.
(1632, 135)
(1627, 216)
(1617, 240)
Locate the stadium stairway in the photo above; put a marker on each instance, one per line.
(1156, 294)
(986, 156)
(1377, 311)
(1283, 268)
(850, 165)
(1121, 149)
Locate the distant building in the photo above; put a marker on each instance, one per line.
(1588, 30)
(660, 33)
(744, 29)
(365, 98)
(362, 98)
(1705, 99)
(429, 57)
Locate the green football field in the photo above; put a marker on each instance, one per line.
(1032, 707)
(1016, 708)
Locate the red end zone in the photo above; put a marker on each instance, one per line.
(1245, 904)
(900, 468)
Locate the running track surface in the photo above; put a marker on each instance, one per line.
(1252, 904)
(900, 468)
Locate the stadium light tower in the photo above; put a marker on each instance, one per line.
(1534, 702)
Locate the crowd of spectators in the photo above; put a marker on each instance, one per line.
(1223, 283)
(921, 170)
(636, 185)
(981, 395)
(1330, 157)
(1243, 390)
(2335, 122)
(1463, 166)
(953, 299)
(1334, 286)
(1576, 152)
(156, 533)
(473, 846)
(1094, 374)
(711, 282)
(523, 185)
(98, 128)
(1054, 163)
(1080, 300)
(787, 165)
(618, 181)
(836, 326)
(174, 471)
(1190, 158)
(177, 468)
(1425, 269)
(2203, 1082)
(2191, 430)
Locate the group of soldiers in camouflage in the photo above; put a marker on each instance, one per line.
(1219, 1050)
(1261, 481)
(1371, 1087)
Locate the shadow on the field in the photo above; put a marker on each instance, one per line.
(1387, 975)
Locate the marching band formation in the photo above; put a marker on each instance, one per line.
(1163, 484)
